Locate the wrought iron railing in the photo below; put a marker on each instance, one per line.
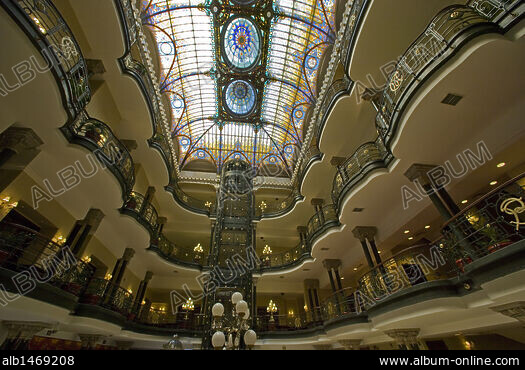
(100, 292)
(165, 318)
(366, 158)
(292, 257)
(452, 27)
(23, 249)
(413, 266)
(100, 139)
(191, 203)
(278, 207)
(489, 224)
(177, 254)
(342, 303)
(352, 23)
(321, 222)
(144, 212)
(49, 32)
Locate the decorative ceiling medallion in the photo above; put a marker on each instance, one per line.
(240, 98)
(241, 43)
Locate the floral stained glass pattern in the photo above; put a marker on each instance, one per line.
(193, 40)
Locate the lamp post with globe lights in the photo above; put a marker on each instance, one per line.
(232, 333)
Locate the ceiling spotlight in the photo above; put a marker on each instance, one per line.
(427, 227)
(492, 183)
(379, 252)
(355, 268)
(464, 201)
(407, 231)
(502, 164)
(411, 238)
(342, 278)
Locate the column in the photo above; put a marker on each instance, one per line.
(302, 230)
(370, 235)
(311, 297)
(89, 341)
(418, 174)
(318, 206)
(360, 233)
(253, 313)
(516, 310)
(405, 338)
(148, 197)
(20, 333)
(332, 265)
(118, 273)
(350, 344)
(83, 231)
(18, 147)
(161, 221)
(141, 292)
(337, 162)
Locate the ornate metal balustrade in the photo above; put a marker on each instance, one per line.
(101, 292)
(366, 158)
(352, 24)
(489, 224)
(191, 203)
(344, 302)
(25, 250)
(50, 34)
(286, 259)
(166, 319)
(322, 222)
(280, 207)
(98, 138)
(448, 31)
(413, 266)
(176, 254)
(144, 212)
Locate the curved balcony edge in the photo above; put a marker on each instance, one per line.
(414, 69)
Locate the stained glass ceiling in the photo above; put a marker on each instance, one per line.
(240, 75)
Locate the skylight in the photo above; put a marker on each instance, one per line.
(240, 75)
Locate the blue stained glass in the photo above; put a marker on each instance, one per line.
(240, 97)
(241, 43)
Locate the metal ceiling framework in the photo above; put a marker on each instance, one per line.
(240, 75)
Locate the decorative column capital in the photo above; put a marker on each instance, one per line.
(24, 329)
(350, 344)
(331, 264)
(516, 310)
(148, 276)
(337, 161)
(90, 340)
(128, 254)
(404, 336)
(419, 172)
(311, 284)
(364, 232)
(94, 217)
(19, 139)
(317, 202)
(129, 144)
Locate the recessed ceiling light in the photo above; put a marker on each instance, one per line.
(379, 252)
(342, 278)
(357, 210)
(325, 249)
(502, 164)
(427, 227)
(411, 238)
(355, 268)
(407, 231)
(464, 201)
(492, 183)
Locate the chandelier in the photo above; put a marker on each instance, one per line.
(230, 330)
(271, 309)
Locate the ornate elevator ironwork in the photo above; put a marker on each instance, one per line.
(232, 256)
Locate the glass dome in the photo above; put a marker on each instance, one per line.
(240, 98)
(241, 43)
